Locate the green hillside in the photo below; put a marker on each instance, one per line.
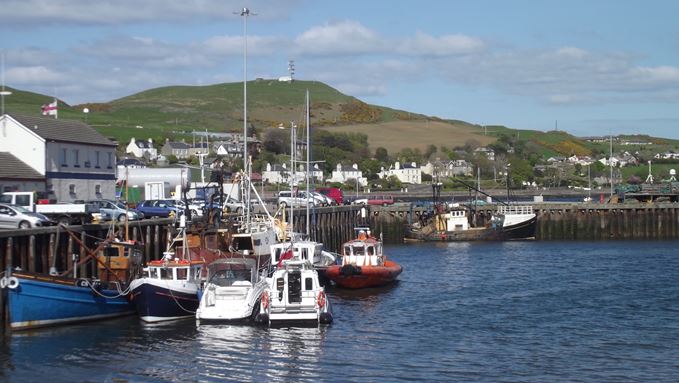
(175, 111)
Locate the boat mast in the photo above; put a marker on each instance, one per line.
(308, 150)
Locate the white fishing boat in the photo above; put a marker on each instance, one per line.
(232, 291)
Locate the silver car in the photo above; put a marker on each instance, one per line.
(15, 216)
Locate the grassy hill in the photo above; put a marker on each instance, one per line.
(175, 111)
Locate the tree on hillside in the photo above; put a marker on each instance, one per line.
(431, 149)
(276, 141)
(471, 144)
(382, 155)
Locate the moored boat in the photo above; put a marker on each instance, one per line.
(232, 291)
(363, 264)
(295, 295)
(38, 300)
(168, 288)
(507, 222)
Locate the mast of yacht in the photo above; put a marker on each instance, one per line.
(308, 162)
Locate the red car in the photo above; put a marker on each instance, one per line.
(334, 193)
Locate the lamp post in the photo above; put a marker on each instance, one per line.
(3, 92)
(245, 12)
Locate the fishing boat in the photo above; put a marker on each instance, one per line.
(38, 300)
(363, 264)
(168, 288)
(232, 291)
(295, 295)
(453, 224)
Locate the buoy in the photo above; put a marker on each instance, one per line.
(13, 283)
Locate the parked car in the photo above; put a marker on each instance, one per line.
(324, 199)
(383, 200)
(297, 199)
(159, 208)
(334, 193)
(196, 206)
(18, 217)
(115, 210)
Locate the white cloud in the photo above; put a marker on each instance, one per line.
(33, 75)
(112, 12)
(423, 44)
(338, 39)
(233, 45)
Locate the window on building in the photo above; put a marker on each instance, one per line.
(96, 159)
(110, 160)
(76, 159)
(63, 158)
(71, 188)
(97, 190)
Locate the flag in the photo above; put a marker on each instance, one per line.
(284, 256)
(50, 109)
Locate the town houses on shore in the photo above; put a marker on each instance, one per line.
(68, 160)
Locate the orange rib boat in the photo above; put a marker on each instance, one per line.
(363, 264)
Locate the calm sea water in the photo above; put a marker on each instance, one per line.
(493, 312)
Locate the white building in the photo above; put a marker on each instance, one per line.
(348, 173)
(406, 173)
(77, 162)
(141, 149)
(281, 174)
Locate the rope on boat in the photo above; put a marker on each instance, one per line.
(177, 302)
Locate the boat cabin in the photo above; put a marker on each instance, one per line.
(233, 272)
(302, 250)
(174, 269)
(296, 283)
(454, 220)
(364, 251)
(119, 261)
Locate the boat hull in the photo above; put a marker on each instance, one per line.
(40, 301)
(521, 230)
(157, 300)
(357, 277)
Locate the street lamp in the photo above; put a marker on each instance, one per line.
(4, 92)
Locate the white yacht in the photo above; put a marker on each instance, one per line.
(304, 250)
(232, 290)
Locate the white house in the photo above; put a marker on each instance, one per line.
(345, 173)
(281, 174)
(406, 173)
(77, 162)
(448, 168)
(488, 152)
(142, 149)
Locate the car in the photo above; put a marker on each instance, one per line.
(162, 208)
(196, 206)
(115, 210)
(324, 199)
(335, 193)
(296, 199)
(18, 217)
(379, 199)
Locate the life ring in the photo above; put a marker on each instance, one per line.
(362, 236)
(3, 282)
(13, 282)
(184, 262)
(321, 299)
(265, 300)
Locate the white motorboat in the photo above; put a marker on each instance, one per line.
(304, 250)
(294, 296)
(232, 291)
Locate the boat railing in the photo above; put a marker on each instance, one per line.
(515, 209)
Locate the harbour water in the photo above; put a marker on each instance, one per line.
(492, 312)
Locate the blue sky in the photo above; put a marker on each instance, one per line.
(588, 67)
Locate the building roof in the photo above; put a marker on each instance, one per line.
(178, 145)
(12, 167)
(62, 130)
